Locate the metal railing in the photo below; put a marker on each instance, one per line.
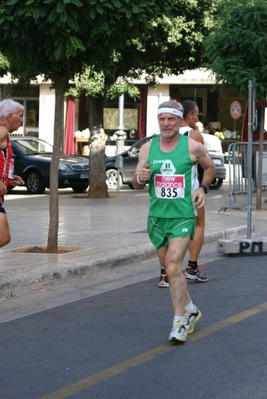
(238, 174)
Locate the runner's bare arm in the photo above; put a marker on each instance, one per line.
(199, 154)
(3, 137)
(196, 135)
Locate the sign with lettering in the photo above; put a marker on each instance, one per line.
(243, 247)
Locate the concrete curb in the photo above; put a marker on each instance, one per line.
(35, 277)
(244, 246)
(226, 234)
(32, 278)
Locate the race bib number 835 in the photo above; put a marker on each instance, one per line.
(170, 186)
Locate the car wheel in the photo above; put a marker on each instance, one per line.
(80, 188)
(35, 183)
(216, 184)
(112, 179)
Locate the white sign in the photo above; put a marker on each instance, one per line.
(264, 168)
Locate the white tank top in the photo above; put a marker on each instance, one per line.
(185, 129)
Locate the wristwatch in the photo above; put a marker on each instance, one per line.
(205, 188)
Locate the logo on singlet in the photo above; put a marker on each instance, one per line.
(167, 168)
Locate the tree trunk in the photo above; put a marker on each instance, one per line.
(259, 174)
(52, 243)
(97, 142)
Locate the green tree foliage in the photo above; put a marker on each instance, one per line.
(60, 38)
(170, 44)
(4, 65)
(62, 35)
(236, 46)
(236, 50)
(174, 41)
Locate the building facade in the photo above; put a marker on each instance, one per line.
(139, 116)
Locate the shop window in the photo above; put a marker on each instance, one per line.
(130, 120)
(29, 98)
(32, 113)
(31, 119)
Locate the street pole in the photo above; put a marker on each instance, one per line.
(121, 135)
(251, 116)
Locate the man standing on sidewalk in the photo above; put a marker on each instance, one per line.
(169, 163)
(11, 117)
(188, 127)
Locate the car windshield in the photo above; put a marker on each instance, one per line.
(135, 148)
(33, 146)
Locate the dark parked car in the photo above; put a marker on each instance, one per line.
(129, 161)
(32, 162)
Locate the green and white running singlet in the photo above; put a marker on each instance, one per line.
(172, 182)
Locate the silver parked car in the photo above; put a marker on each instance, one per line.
(129, 160)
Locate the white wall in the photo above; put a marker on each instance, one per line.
(154, 98)
(46, 112)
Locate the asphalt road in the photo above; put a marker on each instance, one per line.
(110, 342)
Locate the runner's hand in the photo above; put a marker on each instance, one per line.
(16, 181)
(3, 189)
(199, 198)
(145, 173)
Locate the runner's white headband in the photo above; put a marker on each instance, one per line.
(173, 111)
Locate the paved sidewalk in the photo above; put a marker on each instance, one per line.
(103, 234)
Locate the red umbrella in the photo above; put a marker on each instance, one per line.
(69, 130)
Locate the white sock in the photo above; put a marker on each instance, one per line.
(189, 307)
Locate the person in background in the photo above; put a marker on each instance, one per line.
(11, 117)
(169, 163)
(200, 127)
(188, 127)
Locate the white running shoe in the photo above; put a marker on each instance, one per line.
(178, 332)
(192, 319)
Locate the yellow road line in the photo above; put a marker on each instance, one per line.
(94, 379)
